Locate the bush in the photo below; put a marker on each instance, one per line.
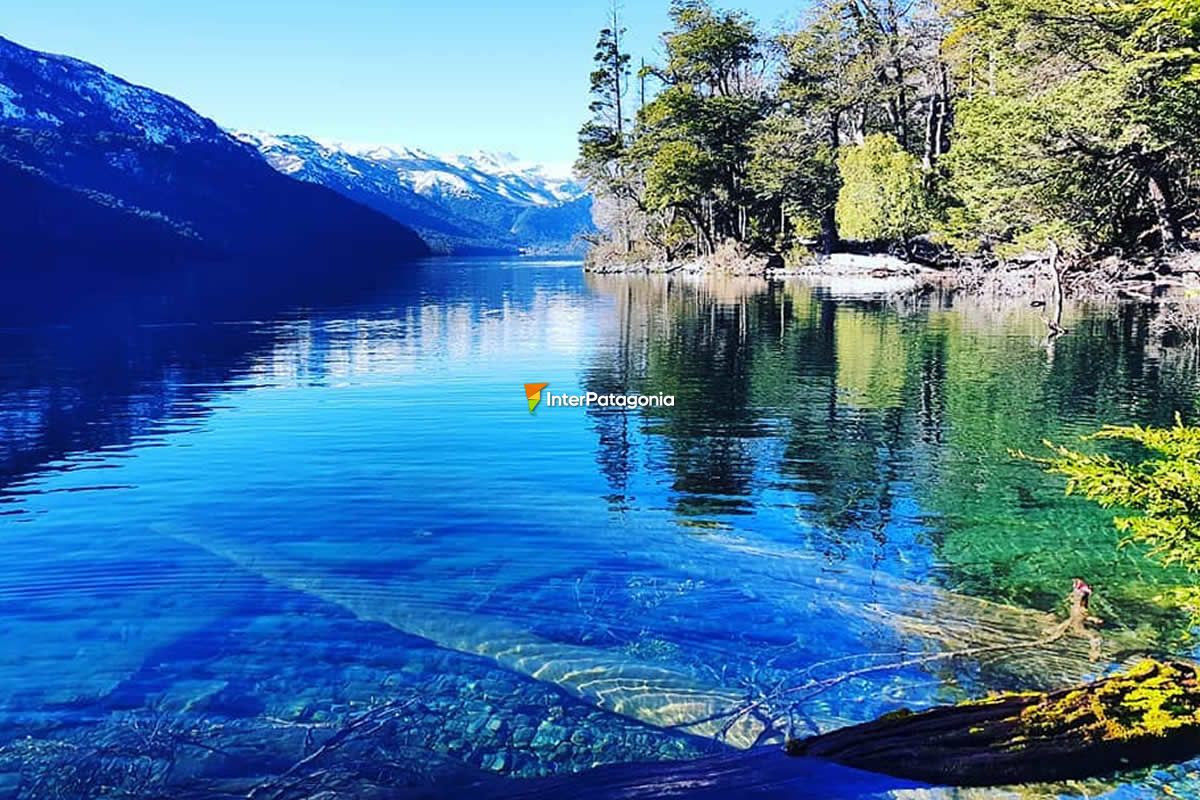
(883, 195)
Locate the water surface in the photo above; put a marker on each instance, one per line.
(227, 539)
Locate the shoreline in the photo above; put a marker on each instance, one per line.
(1142, 280)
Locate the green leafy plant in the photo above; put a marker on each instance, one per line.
(1160, 492)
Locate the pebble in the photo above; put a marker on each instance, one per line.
(523, 736)
(548, 736)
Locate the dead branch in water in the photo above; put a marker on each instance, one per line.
(1075, 625)
(1054, 307)
(303, 776)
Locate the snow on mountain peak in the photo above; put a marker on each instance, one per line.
(482, 199)
(488, 160)
(481, 174)
(93, 96)
(8, 105)
(259, 139)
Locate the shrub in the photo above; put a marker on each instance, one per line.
(883, 195)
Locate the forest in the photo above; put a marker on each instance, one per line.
(963, 128)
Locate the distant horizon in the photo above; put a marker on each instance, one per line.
(509, 80)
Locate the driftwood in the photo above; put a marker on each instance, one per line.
(1148, 715)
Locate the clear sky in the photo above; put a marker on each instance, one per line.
(443, 75)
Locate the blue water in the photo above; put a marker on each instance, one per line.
(226, 539)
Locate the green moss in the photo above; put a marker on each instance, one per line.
(899, 713)
(1151, 699)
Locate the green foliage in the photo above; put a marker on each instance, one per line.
(693, 140)
(1041, 236)
(602, 138)
(829, 66)
(998, 124)
(793, 167)
(1000, 175)
(608, 79)
(679, 175)
(1162, 489)
(1167, 30)
(1073, 115)
(708, 47)
(883, 194)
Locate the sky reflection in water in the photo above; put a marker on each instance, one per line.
(254, 529)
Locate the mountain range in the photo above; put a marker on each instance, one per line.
(102, 178)
(484, 202)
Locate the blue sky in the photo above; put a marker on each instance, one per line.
(444, 75)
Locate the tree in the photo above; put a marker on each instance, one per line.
(883, 194)
(609, 80)
(1014, 125)
(681, 177)
(858, 67)
(701, 122)
(793, 172)
(602, 139)
(824, 85)
(709, 49)
(1077, 116)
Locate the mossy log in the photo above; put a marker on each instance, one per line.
(1148, 715)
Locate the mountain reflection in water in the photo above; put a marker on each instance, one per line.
(230, 538)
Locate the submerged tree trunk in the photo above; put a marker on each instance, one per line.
(1149, 715)
(1054, 308)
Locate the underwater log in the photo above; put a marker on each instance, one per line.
(1145, 716)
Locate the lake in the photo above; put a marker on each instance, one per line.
(330, 548)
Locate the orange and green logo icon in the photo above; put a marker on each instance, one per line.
(533, 393)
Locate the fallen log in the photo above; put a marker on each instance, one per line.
(1148, 715)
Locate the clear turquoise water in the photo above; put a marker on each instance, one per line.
(227, 539)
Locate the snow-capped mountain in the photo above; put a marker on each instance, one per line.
(115, 166)
(479, 175)
(481, 201)
(42, 91)
(97, 169)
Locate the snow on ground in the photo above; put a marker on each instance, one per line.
(8, 106)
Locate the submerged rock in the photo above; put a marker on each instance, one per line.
(498, 762)
(549, 735)
(523, 736)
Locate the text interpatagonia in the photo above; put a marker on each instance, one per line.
(610, 400)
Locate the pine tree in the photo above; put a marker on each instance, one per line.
(603, 140)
